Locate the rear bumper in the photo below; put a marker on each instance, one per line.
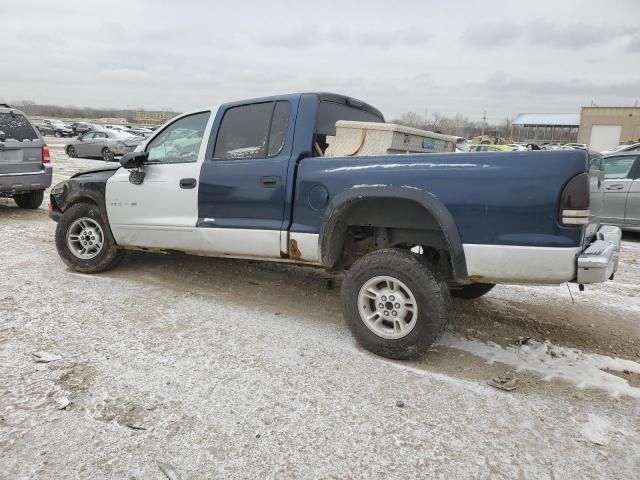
(25, 182)
(599, 261)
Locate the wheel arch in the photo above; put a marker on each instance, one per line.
(408, 202)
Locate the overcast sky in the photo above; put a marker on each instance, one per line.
(451, 57)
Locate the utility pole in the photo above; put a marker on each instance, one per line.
(425, 117)
(484, 121)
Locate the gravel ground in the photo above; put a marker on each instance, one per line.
(213, 368)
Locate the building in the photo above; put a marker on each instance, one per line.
(603, 128)
(146, 117)
(545, 127)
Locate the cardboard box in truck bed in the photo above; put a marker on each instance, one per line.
(370, 138)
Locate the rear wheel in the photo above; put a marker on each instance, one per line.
(71, 151)
(395, 303)
(107, 155)
(84, 241)
(475, 290)
(29, 200)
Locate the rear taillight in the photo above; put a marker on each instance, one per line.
(46, 156)
(574, 203)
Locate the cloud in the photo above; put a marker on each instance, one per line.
(569, 36)
(574, 36)
(342, 37)
(491, 35)
(634, 44)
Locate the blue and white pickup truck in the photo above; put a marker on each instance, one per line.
(249, 179)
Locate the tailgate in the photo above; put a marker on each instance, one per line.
(20, 145)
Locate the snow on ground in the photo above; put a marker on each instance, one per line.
(554, 362)
(214, 368)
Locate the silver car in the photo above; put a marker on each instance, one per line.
(622, 190)
(105, 144)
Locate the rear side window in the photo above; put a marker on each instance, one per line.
(618, 167)
(16, 127)
(252, 131)
(329, 113)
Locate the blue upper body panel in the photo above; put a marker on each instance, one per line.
(494, 198)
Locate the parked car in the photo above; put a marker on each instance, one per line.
(140, 131)
(576, 145)
(55, 127)
(25, 163)
(105, 144)
(409, 230)
(486, 147)
(516, 147)
(622, 190)
(81, 127)
(634, 147)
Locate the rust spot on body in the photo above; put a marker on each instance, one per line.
(294, 251)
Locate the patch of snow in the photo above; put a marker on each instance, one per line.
(596, 430)
(568, 364)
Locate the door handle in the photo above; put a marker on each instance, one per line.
(270, 182)
(615, 187)
(188, 183)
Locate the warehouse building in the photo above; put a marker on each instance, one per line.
(603, 128)
(542, 128)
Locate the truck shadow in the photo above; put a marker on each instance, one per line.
(311, 294)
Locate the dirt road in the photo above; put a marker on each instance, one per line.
(211, 368)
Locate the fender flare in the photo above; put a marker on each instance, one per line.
(332, 232)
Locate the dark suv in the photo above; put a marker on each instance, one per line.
(25, 163)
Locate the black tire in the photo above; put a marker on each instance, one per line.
(58, 134)
(71, 152)
(424, 282)
(107, 258)
(107, 155)
(30, 200)
(475, 290)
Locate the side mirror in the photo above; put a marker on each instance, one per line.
(133, 159)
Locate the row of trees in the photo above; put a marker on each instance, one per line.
(459, 125)
(69, 111)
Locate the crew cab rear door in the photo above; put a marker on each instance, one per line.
(162, 211)
(243, 181)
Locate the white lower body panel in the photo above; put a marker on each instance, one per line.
(517, 264)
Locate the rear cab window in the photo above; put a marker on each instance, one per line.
(329, 113)
(14, 127)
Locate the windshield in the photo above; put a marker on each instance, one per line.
(15, 126)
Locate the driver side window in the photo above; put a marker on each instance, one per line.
(180, 141)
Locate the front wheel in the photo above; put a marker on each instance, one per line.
(475, 290)
(84, 241)
(107, 155)
(395, 303)
(71, 152)
(31, 200)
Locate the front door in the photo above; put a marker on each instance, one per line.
(616, 187)
(162, 211)
(632, 212)
(244, 181)
(83, 145)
